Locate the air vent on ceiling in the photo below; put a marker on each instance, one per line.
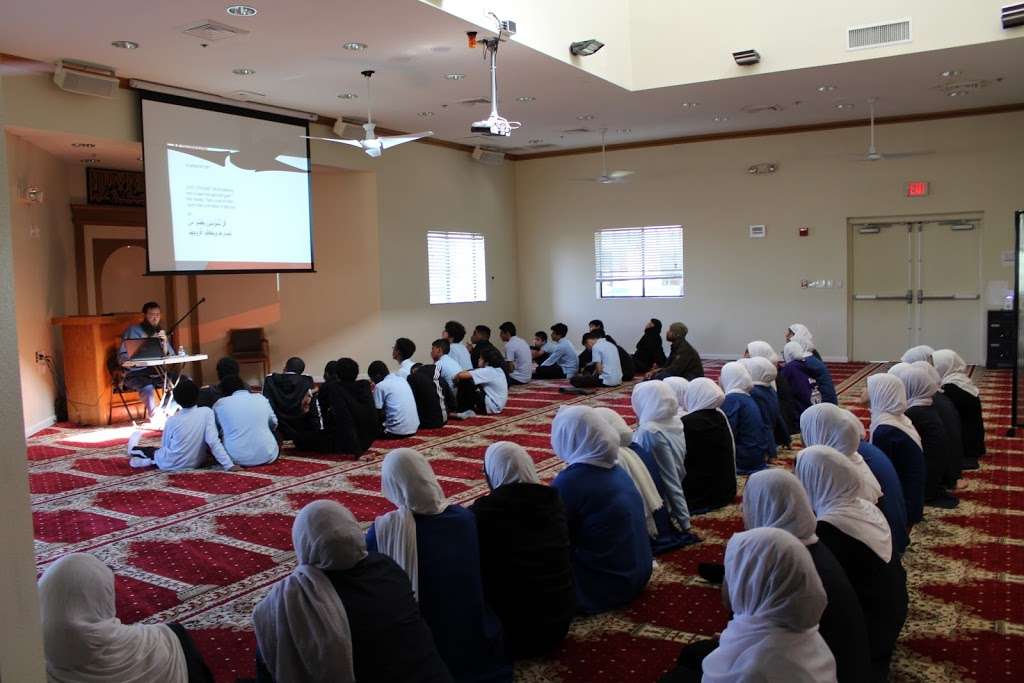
(761, 108)
(529, 149)
(212, 31)
(248, 95)
(84, 78)
(966, 86)
(472, 101)
(878, 35)
(577, 131)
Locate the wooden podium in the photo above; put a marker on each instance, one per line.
(88, 342)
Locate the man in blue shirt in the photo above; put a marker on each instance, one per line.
(517, 355)
(562, 361)
(394, 399)
(247, 424)
(605, 369)
(186, 437)
(144, 380)
(440, 353)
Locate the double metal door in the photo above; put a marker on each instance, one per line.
(915, 283)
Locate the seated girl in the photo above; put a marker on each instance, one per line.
(965, 396)
(763, 373)
(894, 434)
(710, 451)
(754, 441)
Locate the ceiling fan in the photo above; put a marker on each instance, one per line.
(371, 144)
(607, 177)
(874, 155)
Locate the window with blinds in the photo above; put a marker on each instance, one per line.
(456, 266)
(639, 262)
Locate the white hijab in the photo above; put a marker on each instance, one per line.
(829, 425)
(803, 336)
(775, 498)
(777, 600)
(85, 642)
(508, 463)
(832, 484)
(408, 482)
(888, 398)
(735, 379)
(954, 370)
(656, 408)
(793, 351)
(762, 371)
(918, 383)
(579, 435)
(762, 349)
(932, 372)
(702, 394)
(678, 386)
(634, 466)
(301, 625)
(917, 353)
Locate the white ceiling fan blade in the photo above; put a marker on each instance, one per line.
(585, 180)
(389, 141)
(344, 141)
(619, 174)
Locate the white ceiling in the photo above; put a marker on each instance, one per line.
(295, 48)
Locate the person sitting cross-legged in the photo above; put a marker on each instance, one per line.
(247, 424)
(289, 393)
(395, 402)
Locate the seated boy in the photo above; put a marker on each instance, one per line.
(395, 402)
(212, 393)
(247, 424)
(187, 434)
(605, 369)
(429, 391)
(403, 352)
(289, 393)
(483, 391)
(562, 361)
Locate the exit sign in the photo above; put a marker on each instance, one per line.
(917, 188)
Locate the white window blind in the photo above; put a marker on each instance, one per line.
(457, 267)
(639, 262)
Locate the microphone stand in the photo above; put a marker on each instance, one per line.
(173, 327)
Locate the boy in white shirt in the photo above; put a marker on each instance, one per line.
(440, 353)
(393, 397)
(483, 391)
(562, 362)
(517, 354)
(454, 333)
(403, 353)
(605, 369)
(187, 434)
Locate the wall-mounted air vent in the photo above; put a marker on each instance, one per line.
(211, 31)
(878, 35)
(473, 101)
(761, 108)
(577, 131)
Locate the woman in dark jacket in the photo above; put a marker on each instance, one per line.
(650, 352)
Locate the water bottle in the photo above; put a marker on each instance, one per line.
(181, 351)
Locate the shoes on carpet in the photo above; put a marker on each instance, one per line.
(970, 464)
(945, 502)
(139, 463)
(463, 415)
(712, 572)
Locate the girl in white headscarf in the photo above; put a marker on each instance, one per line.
(777, 601)
(894, 433)
(755, 443)
(775, 498)
(660, 433)
(710, 481)
(678, 386)
(763, 373)
(437, 545)
(762, 349)
(634, 466)
(917, 353)
(858, 535)
(611, 553)
(966, 397)
(800, 333)
(827, 425)
(85, 642)
(524, 553)
(951, 424)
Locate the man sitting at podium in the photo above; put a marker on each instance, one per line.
(144, 380)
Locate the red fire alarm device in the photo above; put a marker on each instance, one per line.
(804, 232)
(917, 188)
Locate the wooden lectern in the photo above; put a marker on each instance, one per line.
(88, 342)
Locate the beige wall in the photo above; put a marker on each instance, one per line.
(21, 655)
(739, 289)
(42, 240)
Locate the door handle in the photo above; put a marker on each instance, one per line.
(879, 297)
(947, 297)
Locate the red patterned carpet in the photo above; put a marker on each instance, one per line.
(203, 547)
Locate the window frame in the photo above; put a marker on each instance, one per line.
(471, 237)
(599, 282)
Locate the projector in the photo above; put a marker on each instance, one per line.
(492, 125)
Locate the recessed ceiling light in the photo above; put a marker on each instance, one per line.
(721, 118)
(844, 105)
(826, 88)
(689, 105)
(949, 73)
(243, 72)
(535, 141)
(348, 96)
(85, 145)
(125, 44)
(585, 117)
(241, 11)
(624, 130)
(525, 98)
(90, 160)
(425, 114)
(958, 93)
(355, 46)
(455, 77)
